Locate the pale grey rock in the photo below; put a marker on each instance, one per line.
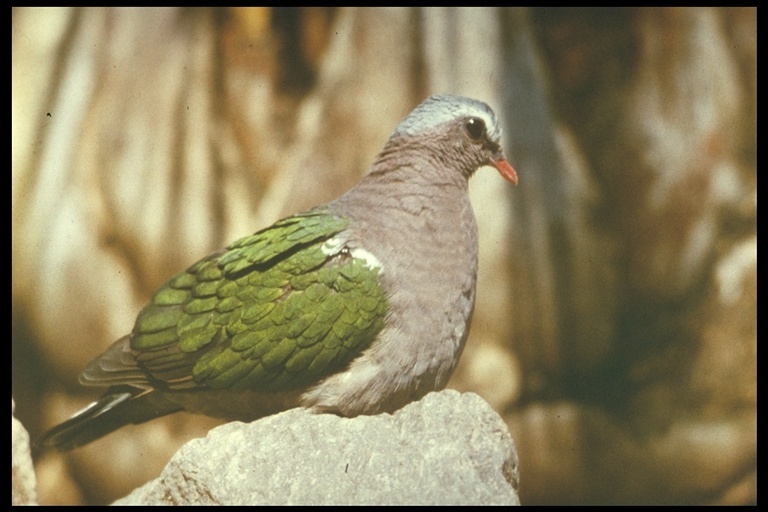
(22, 472)
(448, 448)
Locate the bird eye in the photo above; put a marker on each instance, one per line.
(475, 128)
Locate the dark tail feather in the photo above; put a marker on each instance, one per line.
(119, 407)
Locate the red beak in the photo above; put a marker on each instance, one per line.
(505, 170)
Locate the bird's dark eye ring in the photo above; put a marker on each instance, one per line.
(475, 128)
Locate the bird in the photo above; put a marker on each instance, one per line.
(356, 307)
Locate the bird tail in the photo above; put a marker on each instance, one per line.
(119, 407)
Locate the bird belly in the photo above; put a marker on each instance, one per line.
(409, 358)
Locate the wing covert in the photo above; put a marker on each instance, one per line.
(276, 311)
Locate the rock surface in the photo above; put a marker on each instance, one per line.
(22, 473)
(449, 448)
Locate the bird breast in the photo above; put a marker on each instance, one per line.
(426, 247)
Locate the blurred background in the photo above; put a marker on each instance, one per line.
(615, 326)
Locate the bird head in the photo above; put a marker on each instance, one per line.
(458, 129)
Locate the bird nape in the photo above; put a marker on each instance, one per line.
(359, 306)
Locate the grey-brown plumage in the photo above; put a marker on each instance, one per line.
(356, 307)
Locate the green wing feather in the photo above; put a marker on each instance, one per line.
(273, 312)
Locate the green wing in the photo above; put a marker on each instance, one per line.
(276, 311)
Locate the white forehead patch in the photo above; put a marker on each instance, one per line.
(437, 110)
(335, 246)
